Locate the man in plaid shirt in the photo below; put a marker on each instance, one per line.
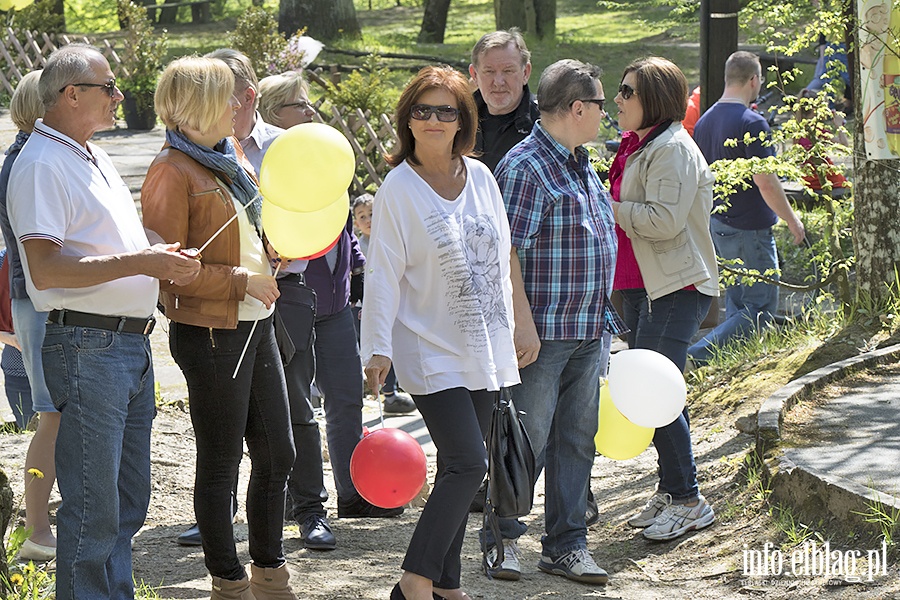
(563, 257)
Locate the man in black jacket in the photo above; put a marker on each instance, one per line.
(507, 110)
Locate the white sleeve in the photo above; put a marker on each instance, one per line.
(32, 183)
(385, 265)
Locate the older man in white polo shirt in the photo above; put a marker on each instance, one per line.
(88, 262)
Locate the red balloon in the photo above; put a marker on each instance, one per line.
(388, 468)
(323, 252)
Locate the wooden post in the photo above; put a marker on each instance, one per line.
(718, 41)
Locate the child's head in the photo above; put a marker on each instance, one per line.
(362, 213)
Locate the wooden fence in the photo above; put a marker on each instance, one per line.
(369, 135)
(24, 51)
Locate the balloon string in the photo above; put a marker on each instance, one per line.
(252, 329)
(380, 398)
(227, 223)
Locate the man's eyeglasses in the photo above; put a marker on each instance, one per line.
(109, 87)
(598, 101)
(627, 91)
(302, 105)
(423, 112)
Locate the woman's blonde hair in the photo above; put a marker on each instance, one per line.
(193, 92)
(26, 105)
(276, 91)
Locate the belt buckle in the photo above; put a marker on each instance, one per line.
(148, 328)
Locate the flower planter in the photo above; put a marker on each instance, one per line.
(139, 115)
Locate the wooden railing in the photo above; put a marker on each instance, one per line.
(24, 51)
(370, 135)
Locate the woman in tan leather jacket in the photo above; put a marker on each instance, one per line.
(196, 184)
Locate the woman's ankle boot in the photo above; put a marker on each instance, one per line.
(271, 584)
(226, 589)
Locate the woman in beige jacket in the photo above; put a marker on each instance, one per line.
(666, 265)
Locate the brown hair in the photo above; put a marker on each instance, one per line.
(430, 78)
(661, 88)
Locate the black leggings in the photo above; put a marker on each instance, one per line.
(458, 421)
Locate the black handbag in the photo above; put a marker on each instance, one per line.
(511, 466)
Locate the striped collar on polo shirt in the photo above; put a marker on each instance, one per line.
(50, 133)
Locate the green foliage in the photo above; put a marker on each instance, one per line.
(25, 581)
(39, 16)
(142, 57)
(256, 35)
(886, 517)
(145, 591)
(91, 15)
(365, 89)
(788, 524)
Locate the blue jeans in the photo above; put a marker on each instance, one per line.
(339, 377)
(667, 325)
(560, 394)
(102, 382)
(747, 307)
(30, 326)
(226, 411)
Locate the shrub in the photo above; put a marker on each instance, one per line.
(256, 35)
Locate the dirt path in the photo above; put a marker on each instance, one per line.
(707, 564)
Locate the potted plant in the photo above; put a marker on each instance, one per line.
(141, 64)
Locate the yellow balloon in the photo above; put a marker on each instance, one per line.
(20, 4)
(617, 437)
(306, 168)
(299, 234)
(6, 5)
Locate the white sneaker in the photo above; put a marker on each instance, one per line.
(577, 565)
(677, 519)
(509, 569)
(654, 507)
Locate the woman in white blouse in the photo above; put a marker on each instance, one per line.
(439, 305)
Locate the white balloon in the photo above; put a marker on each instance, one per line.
(646, 387)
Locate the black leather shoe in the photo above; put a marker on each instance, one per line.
(360, 509)
(316, 533)
(397, 594)
(191, 537)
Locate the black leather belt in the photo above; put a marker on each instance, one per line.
(118, 324)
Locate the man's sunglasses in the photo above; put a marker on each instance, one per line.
(627, 91)
(598, 101)
(109, 87)
(423, 112)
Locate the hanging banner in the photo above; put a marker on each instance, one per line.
(879, 68)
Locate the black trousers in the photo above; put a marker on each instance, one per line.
(225, 411)
(458, 420)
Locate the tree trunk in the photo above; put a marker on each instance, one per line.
(876, 211)
(515, 13)
(545, 19)
(434, 22)
(324, 19)
(537, 17)
(58, 8)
